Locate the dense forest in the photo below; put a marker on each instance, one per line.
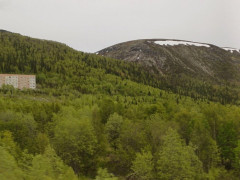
(93, 117)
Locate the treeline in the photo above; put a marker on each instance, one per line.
(53, 61)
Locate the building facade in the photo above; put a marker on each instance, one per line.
(18, 81)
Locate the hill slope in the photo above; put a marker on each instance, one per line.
(61, 67)
(168, 57)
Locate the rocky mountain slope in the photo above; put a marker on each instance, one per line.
(175, 57)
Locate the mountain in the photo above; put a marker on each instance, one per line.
(53, 61)
(176, 57)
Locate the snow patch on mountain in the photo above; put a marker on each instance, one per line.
(231, 49)
(175, 43)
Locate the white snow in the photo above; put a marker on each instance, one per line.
(174, 43)
(231, 49)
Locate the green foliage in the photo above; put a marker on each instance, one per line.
(8, 166)
(74, 140)
(106, 109)
(50, 166)
(237, 159)
(103, 174)
(42, 142)
(143, 166)
(6, 141)
(176, 160)
(22, 126)
(113, 129)
(227, 140)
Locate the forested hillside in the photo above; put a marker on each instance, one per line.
(52, 60)
(61, 67)
(93, 117)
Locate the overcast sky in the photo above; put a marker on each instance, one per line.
(91, 25)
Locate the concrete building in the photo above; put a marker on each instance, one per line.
(18, 81)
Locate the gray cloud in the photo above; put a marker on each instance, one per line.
(90, 25)
(4, 3)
